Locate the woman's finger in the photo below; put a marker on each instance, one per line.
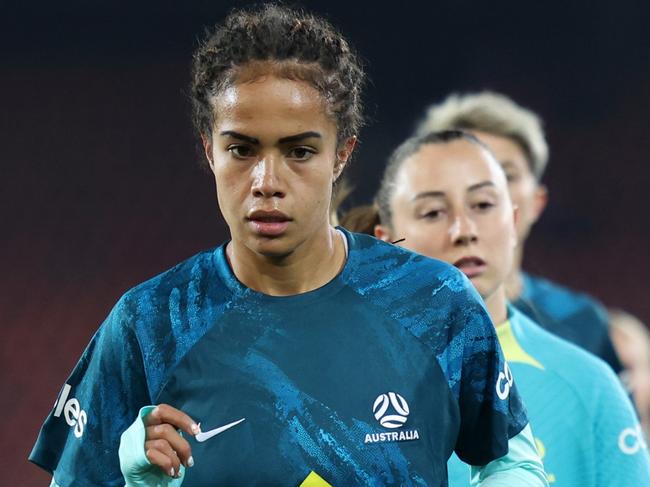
(158, 458)
(177, 443)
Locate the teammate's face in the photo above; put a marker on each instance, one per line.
(525, 192)
(274, 156)
(451, 203)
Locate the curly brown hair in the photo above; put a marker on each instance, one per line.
(290, 43)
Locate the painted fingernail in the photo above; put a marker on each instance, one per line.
(190, 462)
(172, 472)
(196, 428)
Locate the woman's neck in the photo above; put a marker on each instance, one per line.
(496, 305)
(309, 266)
(514, 282)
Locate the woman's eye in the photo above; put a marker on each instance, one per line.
(432, 214)
(484, 205)
(301, 153)
(512, 178)
(241, 151)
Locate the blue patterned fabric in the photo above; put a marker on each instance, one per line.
(373, 379)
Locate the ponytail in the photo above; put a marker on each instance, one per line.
(361, 219)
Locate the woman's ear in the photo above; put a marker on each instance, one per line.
(516, 215)
(343, 154)
(206, 140)
(382, 233)
(541, 200)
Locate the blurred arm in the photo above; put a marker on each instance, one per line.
(520, 467)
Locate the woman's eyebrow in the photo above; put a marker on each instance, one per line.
(428, 194)
(441, 194)
(301, 136)
(282, 140)
(237, 135)
(480, 185)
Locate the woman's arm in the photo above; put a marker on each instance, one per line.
(520, 467)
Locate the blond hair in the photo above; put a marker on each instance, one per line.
(495, 114)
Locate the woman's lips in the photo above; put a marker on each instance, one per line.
(269, 228)
(269, 223)
(471, 266)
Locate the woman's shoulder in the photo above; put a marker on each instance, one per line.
(193, 271)
(387, 265)
(581, 370)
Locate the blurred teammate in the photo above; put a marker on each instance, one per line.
(632, 342)
(309, 355)
(445, 196)
(515, 136)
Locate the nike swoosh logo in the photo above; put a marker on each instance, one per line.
(209, 434)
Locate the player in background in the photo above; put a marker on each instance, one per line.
(632, 342)
(515, 136)
(307, 354)
(444, 195)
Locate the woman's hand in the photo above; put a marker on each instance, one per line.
(164, 446)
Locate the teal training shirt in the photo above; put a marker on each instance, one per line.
(571, 315)
(584, 425)
(373, 379)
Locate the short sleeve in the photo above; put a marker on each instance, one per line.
(80, 438)
(491, 410)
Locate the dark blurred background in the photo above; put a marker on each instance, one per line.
(101, 190)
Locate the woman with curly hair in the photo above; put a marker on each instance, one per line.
(296, 353)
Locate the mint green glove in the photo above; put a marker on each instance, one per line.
(134, 464)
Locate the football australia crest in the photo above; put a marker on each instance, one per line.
(391, 411)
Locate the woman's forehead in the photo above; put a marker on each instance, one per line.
(456, 165)
(269, 102)
(268, 92)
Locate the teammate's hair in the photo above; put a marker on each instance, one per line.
(285, 42)
(495, 114)
(363, 219)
